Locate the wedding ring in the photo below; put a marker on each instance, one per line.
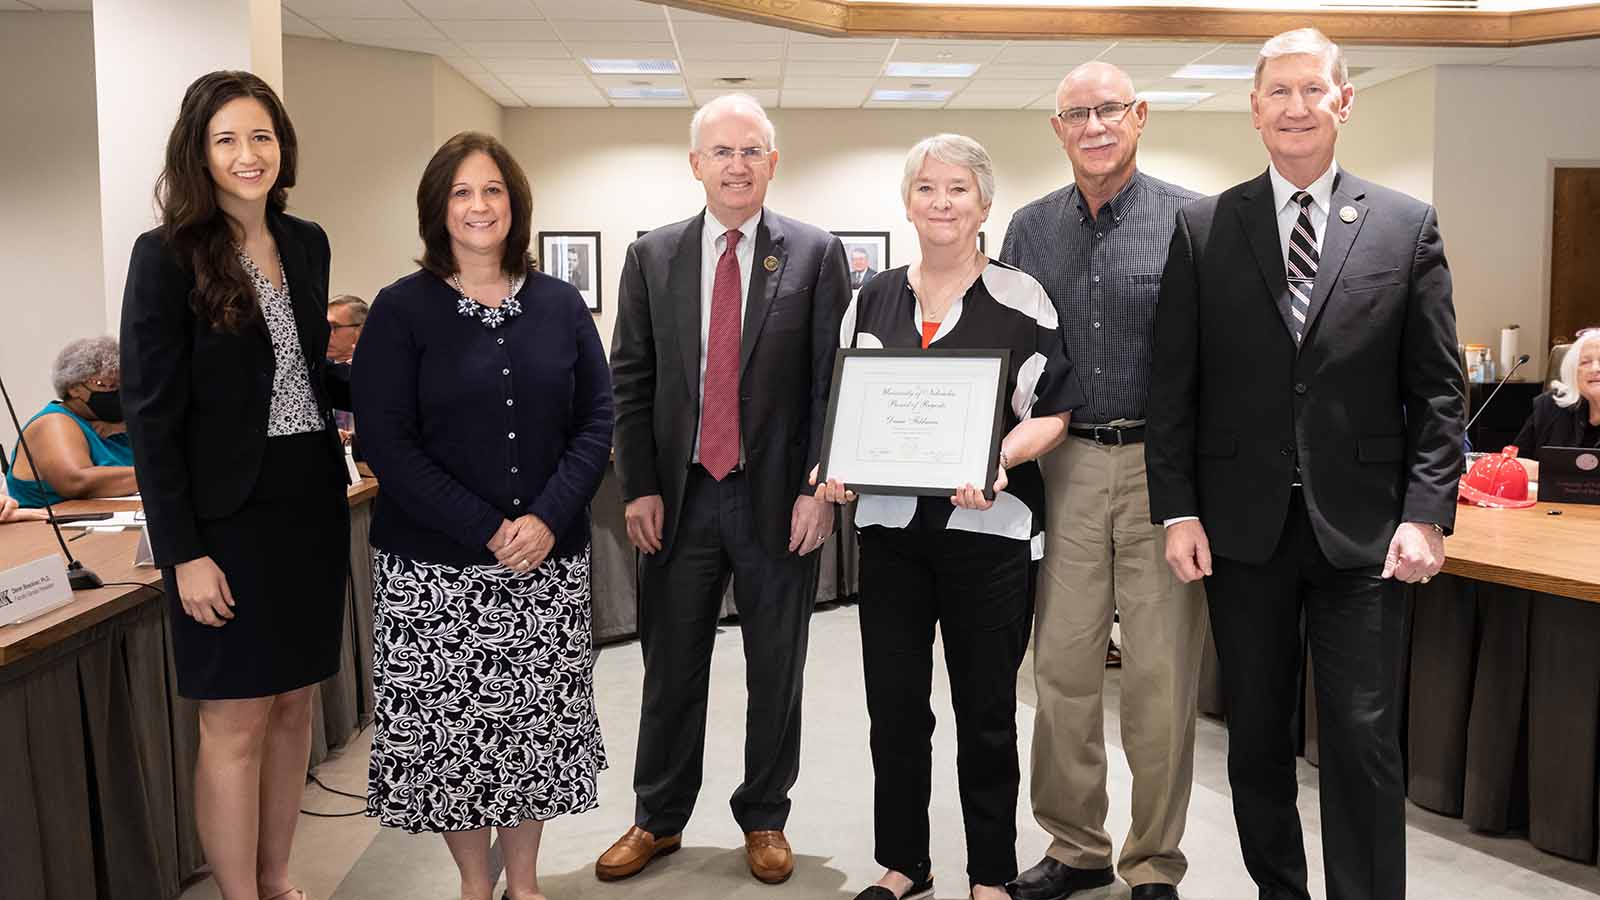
(522, 564)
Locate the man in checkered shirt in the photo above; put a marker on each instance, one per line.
(1098, 246)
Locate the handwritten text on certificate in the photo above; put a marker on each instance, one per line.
(919, 423)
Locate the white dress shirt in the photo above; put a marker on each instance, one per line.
(1283, 192)
(1288, 213)
(713, 241)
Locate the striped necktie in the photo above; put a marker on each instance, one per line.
(1302, 265)
(719, 405)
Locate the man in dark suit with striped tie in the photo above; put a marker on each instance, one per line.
(1303, 447)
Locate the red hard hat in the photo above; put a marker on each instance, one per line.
(1497, 481)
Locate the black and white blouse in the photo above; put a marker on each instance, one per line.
(293, 408)
(1005, 309)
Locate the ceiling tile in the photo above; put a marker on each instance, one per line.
(293, 24)
(466, 65)
(1035, 86)
(625, 81)
(945, 51)
(620, 50)
(1158, 53)
(839, 50)
(494, 50)
(709, 32)
(752, 79)
(564, 98)
(723, 68)
(845, 69)
(1065, 54)
(975, 99)
(351, 9)
(1224, 103)
(435, 46)
(1231, 55)
(726, 51)
(361, 30)
(593, 10)
(1051, 73)
(511, 67)
(478, 9)
(702, 96)
(496, 29)
(819, 83)
(552, 82)
(630, 32)
(793, 99)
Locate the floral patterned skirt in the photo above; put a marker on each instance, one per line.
(484, 694)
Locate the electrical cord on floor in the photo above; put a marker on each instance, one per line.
(318, 782)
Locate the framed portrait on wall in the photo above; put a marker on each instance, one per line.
(573, 257)
(866, 252)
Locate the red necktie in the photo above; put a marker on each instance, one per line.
(719, 407)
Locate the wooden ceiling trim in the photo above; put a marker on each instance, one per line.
(844, 18)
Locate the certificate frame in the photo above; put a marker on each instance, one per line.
(921, 479)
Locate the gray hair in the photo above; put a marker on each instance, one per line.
(1304, 40)
(953, 150)
(728, 102)
(1566, 387)
(353, 303)
(83, 359)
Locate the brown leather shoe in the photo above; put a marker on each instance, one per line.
(632, 852)
(771, 860)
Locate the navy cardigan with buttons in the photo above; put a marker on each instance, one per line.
(467, 426)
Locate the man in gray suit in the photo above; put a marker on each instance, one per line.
(722, 361)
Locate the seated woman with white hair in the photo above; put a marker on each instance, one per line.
(1568, 415)
(964, 564)
(79, 442)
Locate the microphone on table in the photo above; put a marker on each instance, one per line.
(1521, 360)
(81, 577)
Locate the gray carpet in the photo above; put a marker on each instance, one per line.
(831, 827)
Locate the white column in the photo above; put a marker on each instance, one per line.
(146, 52)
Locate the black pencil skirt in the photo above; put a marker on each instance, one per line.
(286, 555)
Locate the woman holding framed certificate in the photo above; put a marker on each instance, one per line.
(963, 561)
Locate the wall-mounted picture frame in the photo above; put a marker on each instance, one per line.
(573, 257)
(866, 253)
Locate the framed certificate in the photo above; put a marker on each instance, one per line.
(915, 422)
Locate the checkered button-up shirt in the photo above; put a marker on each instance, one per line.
(1102, 269)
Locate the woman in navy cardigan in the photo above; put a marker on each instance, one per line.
(485, 409)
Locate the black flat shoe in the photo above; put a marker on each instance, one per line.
(1155, 892)
(879, 892)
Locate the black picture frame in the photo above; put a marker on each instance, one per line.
(1003, 357)
(556, 259)
(876, 243)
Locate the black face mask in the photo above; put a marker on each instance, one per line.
(106, 405)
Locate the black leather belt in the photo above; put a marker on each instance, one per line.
(1109, 435)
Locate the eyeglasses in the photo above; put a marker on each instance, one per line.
(1110, 112)
(102, 384)
(338, 325)
(755, 156)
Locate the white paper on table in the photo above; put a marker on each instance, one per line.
(127, 518)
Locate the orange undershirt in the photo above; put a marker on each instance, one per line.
(929, 329)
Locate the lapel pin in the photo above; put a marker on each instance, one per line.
(771, 263)
(1347, 214)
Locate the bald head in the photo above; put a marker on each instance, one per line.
(1096, 77)
(737, 106)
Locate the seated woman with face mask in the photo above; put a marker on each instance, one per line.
(79, 442)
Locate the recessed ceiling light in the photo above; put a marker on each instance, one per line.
(1202, 70)
(930, 70)
(645, 93)
(1175, 98)
(886, 95)
(631, 66)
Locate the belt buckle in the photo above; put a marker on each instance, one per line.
(1100, 430)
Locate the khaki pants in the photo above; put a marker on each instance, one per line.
(1103, 555)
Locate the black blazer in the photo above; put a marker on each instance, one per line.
(1370, 404)
(196, 398)
(799, 288)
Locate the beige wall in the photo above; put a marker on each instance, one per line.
(1390, 136)
(1500, 135)
(620, 171)
(50, 259)
(368, 121)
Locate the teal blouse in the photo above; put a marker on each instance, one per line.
(110, 451)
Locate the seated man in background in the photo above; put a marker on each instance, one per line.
(79, 441)
(347, 313)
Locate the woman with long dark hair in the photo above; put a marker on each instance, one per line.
(228, 404)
